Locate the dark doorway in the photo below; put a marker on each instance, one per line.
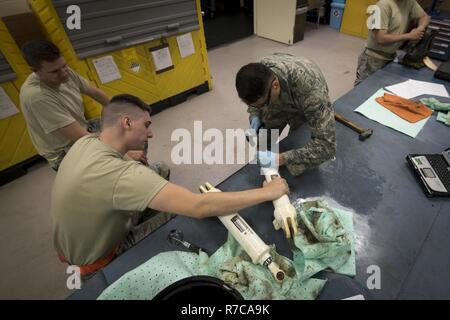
(226, 21)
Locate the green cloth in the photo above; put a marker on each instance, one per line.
(232, 264)
(333, 228)
(325, 240)
(435, 104)
(229, 263)
(444, 118)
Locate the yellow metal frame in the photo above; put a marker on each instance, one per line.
(15, 143)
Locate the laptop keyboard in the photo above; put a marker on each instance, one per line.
(440, 166)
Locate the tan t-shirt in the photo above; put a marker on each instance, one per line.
(93, 197)
(396, 17)
(48, 108)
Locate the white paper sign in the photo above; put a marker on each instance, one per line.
(107, 69)
(186, 45)
(162, 58)
(7, 107)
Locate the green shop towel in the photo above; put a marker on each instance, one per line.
(444, 118)
(325, 240)
(435, 104)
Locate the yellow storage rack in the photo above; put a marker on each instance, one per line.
(190, 74)
(355, 18)
(15, 144)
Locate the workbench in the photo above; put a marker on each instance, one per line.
(397, 227)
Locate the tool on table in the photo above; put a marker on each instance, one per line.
(285, 215)
(176, 237)
(363, 133)
(258, 251)
(430, 64)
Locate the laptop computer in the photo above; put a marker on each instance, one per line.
(433, 172)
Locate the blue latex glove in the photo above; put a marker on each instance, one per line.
(255, 123)
(267, 159)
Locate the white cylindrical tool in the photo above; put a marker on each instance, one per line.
(285, 215)
(258, 251)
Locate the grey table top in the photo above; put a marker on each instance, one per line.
(397, 228)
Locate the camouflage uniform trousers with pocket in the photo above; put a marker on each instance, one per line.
(368, 65)
(149, 220)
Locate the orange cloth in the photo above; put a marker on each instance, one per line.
(93, 267)
(406, 109)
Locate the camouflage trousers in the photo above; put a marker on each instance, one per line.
(55, 161)
(149, 220)
(368, 65)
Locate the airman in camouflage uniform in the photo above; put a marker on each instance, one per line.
(297, 94)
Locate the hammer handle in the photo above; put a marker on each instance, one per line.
(346, 122)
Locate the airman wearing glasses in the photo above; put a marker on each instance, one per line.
(283, 89)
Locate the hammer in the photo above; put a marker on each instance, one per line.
(363, 133)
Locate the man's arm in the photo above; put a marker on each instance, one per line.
(73, 131)
(176, 199)
(424, 21)
(383, 37)
(98, 95)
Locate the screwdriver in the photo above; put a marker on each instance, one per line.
(176, 237)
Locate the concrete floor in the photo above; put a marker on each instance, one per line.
(29, 268)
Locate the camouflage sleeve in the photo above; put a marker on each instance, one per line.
(322, 146)
(252, 111)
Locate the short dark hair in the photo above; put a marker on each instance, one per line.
(37, 51)
(130, 99)
(123, 105)
(252, 81)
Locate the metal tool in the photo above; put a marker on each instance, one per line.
(258, 251)
(363, 133)
(176, 237)
(285, 215)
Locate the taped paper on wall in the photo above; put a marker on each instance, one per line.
(185, 45)
(107, 69)
(7, 107)
(162, 58)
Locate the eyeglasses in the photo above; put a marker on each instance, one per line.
(269, 96)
